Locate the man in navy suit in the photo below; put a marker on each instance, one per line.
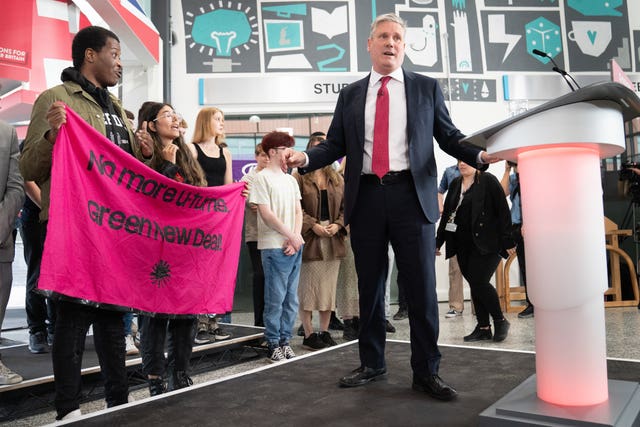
(400, 207)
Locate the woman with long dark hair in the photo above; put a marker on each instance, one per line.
(173, 159)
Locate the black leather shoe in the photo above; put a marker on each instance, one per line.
(362, 376)
(434, 387)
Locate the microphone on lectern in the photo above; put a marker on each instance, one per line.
(557, 69)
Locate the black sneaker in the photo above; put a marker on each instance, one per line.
(527, 312)
(157, 386)
(335, 323)
(219, 334)
(38, 343)
(300, 330)
(479, 334)
(389, 327)
(203, 337)
(327, 339)
(276, 355)
(501, 330)
(351, 329)
(314, 342)
(180, 380)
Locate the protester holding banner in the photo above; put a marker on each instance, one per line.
(209, 150)
(173, 159)
(279, 225)
(96, 66)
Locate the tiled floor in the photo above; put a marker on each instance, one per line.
(622, 326)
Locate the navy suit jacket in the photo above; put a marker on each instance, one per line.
(427, 118)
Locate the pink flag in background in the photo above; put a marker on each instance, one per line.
(120, 233)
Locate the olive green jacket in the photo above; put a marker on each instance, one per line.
(35, 161)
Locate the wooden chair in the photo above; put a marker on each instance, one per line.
(509, 294)
(614, 253)
(512, 293)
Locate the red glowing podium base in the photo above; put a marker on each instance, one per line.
(558, 147)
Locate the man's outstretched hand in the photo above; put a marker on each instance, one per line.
(293, 158)
(488, 158)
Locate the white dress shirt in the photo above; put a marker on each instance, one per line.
(398, 144)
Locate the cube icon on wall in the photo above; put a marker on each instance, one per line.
(543, 35)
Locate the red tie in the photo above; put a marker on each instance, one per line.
(380, 155)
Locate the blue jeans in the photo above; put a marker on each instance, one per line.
(281, 275)
(128, 321)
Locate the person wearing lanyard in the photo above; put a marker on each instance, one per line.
(476, 226)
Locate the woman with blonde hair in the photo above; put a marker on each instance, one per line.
(209, 150)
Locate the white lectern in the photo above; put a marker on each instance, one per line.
(558, 147)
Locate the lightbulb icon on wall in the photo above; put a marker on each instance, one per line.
(222, 32)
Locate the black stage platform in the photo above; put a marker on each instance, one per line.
(304, 392)
(35, 394)
(37, 368)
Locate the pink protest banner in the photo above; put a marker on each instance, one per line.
(120, 233)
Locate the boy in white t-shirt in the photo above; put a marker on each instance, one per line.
(277, 196)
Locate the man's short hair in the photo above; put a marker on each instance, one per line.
(387, 17)
(317, 133)
(92, 37)
(277, 139)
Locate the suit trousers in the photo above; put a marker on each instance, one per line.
(392, 213)
(6, 279)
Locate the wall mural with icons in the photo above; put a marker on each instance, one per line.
(306, 36)
(443, 37)
(221, 36)
(464, 44)
(597, 30)
(511, 35)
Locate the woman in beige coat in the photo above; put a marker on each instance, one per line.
(324, 234)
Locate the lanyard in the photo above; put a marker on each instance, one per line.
(452, 217)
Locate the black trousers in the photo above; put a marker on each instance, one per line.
(178, 333)
(392, 213)
(72, 324)
(40, 310)
(258, 283)
(477, 269)
(516, 233)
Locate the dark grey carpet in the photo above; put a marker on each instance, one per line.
(305, 393)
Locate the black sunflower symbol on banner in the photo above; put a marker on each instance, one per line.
(160, 274)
